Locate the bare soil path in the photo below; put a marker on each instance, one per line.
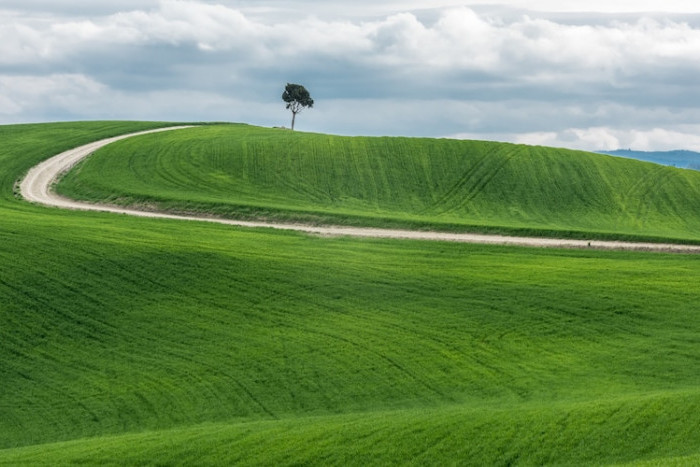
(36, 187)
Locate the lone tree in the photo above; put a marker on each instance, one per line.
(297, 98)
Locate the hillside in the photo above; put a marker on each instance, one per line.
(242, 171)
(152, 342)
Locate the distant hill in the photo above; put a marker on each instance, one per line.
(679, 158)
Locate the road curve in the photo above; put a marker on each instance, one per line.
(36, 187)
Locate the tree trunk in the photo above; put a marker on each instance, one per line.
(294, 116)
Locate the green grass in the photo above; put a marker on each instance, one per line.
(532, 435)
(250, 172)
(141, 341)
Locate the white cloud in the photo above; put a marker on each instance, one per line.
(606, 139)
(460, 39)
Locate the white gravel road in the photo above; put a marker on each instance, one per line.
(36, 187)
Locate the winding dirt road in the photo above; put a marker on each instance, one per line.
(36, 187)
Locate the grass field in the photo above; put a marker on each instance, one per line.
(248, 172)
(141, 341)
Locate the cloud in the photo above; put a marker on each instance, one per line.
(76, 96)
(598, 6)
(607, 139)
(415, 69)
(459, 39)
(40, 95)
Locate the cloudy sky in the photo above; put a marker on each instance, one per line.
(584, 74)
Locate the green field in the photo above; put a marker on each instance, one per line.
(142, 341)
(243, 171)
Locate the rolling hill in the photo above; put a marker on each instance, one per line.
(242, 171)
(157, 342)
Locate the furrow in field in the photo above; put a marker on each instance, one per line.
(446, 202)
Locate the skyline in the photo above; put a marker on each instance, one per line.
(588, 75)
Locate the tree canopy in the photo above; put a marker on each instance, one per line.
(297, 98)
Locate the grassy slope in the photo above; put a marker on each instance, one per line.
(644, 426)
(244, 171)
(174, 342)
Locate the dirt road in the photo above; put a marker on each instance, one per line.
(36, 188)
